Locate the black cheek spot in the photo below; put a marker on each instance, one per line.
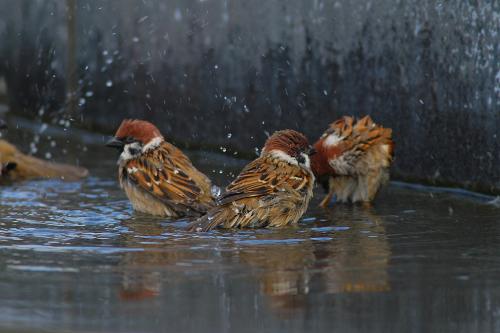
(134, 151)
(301, 159)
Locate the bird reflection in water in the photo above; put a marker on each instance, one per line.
(344, 251)
(139, 282)
(162, 248)
(349, 255)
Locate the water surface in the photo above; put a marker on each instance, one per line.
(75, 257)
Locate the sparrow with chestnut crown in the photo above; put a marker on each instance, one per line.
(274, 190)
(156, 176)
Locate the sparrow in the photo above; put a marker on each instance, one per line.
(156, 176)
(16, 166)
(274, 190)
(353, 159)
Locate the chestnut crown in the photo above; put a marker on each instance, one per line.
(139, 130)
(288, 141)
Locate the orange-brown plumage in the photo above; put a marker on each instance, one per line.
(16, 166)
(354, 156)
(272, 191)
(156, 176)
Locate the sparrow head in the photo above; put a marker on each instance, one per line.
(3, 124)
(134, 137)
(290, 146)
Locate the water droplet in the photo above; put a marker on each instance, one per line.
(216, 67)
(135, 39)
(223, 149)
(177, 14)
(229, 135)
(33, 148)
(89, 94)
(81, 102)
(48, 155)
(325, 92)
(109, 83)
(246, 109)
(142, 19)
(421, 101)
(216, 191)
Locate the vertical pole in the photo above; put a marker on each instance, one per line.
(71, 75)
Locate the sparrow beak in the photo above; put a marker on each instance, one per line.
(311, 151)
(3, 124)
(115, 143)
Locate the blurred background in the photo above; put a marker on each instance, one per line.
(214, 73)
(217, 77)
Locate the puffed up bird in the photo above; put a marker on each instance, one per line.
(16, 166)
(156, 176)
(353, 159)
(274, 190)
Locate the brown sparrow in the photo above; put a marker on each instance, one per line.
(353, 159)
(272, 191)
(16, 166)
(156, 176)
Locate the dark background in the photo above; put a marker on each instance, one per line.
(214, 73)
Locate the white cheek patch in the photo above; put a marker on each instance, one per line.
(307, 160)
(283, 156)
(130, 151)
(332, 140)
(152, 144)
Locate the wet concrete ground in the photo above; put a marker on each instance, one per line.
(75, 257)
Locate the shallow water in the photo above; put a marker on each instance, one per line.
(75, 257)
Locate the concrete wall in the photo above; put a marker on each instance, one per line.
(226, 73)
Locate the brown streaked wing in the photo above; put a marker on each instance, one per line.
(359, 137)
(261, 178)
(163, 177)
